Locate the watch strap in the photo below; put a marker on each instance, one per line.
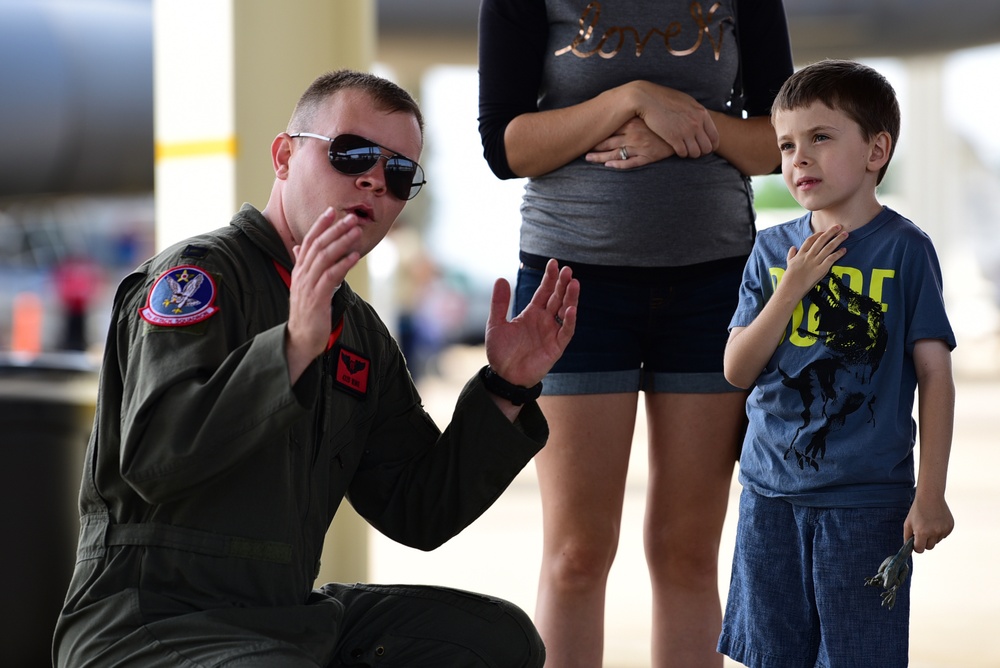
(515, 394)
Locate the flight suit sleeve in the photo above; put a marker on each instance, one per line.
(420, 486)
(198, 398)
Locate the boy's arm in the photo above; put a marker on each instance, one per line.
(749, 348)
(930, 520)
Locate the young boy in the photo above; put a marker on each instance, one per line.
(840, 318)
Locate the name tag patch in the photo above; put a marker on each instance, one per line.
(352, 372)
(181, 296)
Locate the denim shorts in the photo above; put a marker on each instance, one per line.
(656, 329)
(797, 595)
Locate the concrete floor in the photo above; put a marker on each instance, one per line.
(956, 587)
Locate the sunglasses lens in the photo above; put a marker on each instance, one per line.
(403, 177)
(354, 155)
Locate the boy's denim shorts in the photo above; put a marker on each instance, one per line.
(656, 329)
(797, 595)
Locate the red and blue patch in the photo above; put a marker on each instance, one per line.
(181, 296)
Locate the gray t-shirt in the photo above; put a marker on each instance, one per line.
(669, 213)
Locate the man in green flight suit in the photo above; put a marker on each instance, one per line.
(246, 391)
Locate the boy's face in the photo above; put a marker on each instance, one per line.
(826, 162)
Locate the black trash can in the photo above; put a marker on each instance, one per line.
(46, 413)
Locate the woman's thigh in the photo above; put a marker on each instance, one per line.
(694, 442)
(583, 467)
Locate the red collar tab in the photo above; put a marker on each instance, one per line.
(286, 275)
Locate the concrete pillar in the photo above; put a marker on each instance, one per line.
(227, 74)
(931, 168)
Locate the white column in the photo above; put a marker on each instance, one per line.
(931, 167)
(193, 119)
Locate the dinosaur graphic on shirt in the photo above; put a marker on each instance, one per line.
(851, 327)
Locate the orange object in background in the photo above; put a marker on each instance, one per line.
(26, 328)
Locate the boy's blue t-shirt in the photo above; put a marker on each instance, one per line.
(831, 415)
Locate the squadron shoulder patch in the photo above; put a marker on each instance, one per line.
(181, 296)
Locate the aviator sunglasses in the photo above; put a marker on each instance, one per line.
(353, 155)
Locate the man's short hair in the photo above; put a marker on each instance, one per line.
(850, 87)
(386, 95)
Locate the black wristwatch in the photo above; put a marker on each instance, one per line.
(515, 394)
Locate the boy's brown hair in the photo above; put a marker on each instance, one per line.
(850, 87)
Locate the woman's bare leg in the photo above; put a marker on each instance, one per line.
(581, 474)
(694, 442)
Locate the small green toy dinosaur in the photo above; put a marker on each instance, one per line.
(892, 574)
